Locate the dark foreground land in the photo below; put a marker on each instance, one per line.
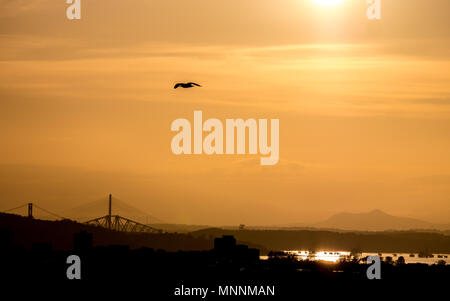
(32, 249)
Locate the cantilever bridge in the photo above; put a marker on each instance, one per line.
(119, 223)
(109, 221)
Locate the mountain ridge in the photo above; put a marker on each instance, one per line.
(376, 220)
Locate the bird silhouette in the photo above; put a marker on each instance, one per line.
(186, 85)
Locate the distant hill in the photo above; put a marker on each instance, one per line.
(376, 220)
(383, 241)
(179, 228)
(59, 234)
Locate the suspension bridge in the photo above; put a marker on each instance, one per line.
(109, 221)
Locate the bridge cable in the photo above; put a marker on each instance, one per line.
(15, 208)
(54, 214)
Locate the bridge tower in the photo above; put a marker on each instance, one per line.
(108, 219)
(30, 210)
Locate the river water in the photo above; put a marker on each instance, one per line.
(334, 256)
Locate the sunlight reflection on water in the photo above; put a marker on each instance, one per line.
(331, 256)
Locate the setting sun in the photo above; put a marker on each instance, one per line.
(327, 2)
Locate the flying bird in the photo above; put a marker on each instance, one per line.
(186, 85)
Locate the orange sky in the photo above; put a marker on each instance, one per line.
(364, 106)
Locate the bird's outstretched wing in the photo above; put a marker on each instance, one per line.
(191, 83)
(177, 85)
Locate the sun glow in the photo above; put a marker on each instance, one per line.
(327, 2)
